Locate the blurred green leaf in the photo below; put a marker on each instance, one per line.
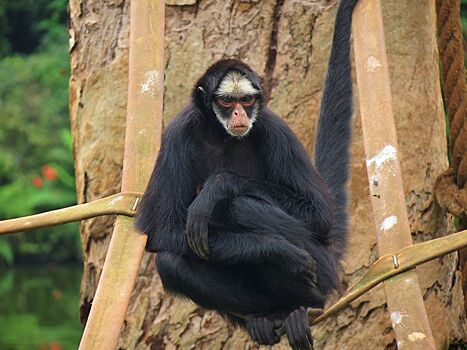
(35, 132)
(6, 252)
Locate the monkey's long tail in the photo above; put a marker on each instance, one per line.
(334, 126)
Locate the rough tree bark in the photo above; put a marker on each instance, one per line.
(287, 42)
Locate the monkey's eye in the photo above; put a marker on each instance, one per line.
(225, 101)
(248, 100)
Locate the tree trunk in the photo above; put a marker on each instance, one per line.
(287, 42)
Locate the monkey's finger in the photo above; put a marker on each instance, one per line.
(305, 279)
(205, 238)
(294, 324)
(193, 242)
(279, 328)
(311, 281)
(260, 328)
(290, 331)
(201, 238)
(255, 334)
(262, 332)
(302, 329)
(270, 335)
(306, 326)
(277, 324)
(310, 275)
(197, 238)
(189, 233)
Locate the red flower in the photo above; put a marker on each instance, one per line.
(57, 294)
(49, 172)
(37, 181)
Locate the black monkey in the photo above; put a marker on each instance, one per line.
(241, 220)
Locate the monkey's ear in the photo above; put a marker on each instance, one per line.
(200, 92)
(203, 95)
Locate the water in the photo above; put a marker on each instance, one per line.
(39, 308)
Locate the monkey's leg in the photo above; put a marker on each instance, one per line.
(259, 247)
(321, 276)
(232, 291)
(214, 286)
(248, 211)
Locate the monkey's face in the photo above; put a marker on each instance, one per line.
(236, 104)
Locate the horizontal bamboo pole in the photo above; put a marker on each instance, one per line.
(118, 204)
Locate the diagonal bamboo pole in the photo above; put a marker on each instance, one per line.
(403, 295)
(142, 139)
(383, 268)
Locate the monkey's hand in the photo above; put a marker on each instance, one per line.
(301, 264)
(197, 230)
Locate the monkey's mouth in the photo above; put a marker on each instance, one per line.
(240, 129)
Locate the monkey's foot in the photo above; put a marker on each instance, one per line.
(262, 330)
(298, 331)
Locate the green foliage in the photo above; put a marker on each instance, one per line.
(34, 105)
(36, 166)
(6, 253)
(52, 187)
(40, 306)
(27, 24)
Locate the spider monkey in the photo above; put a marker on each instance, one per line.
(242, 221)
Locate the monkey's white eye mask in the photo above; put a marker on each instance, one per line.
(235, 104)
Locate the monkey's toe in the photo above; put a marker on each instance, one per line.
(298, 330)
(262, 331)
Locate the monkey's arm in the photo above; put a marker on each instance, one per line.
(289, 166)
(226, 185)
(219, 186)
(171, 188)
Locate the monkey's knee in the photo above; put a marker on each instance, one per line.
(169, 266)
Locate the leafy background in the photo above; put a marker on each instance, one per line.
(36, 164)
(40, 271)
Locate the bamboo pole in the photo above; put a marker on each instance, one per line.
(383, 268)
(117, 204)
(142, 140)
(404, 298)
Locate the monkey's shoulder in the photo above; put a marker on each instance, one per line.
(183, 122)
(275, 131)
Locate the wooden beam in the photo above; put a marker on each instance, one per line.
(142, 141)
(404, 298)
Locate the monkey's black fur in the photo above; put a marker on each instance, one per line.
(277, 225)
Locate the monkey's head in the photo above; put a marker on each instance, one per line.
(231, 92)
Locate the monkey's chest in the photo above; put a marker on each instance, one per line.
(239, 158)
